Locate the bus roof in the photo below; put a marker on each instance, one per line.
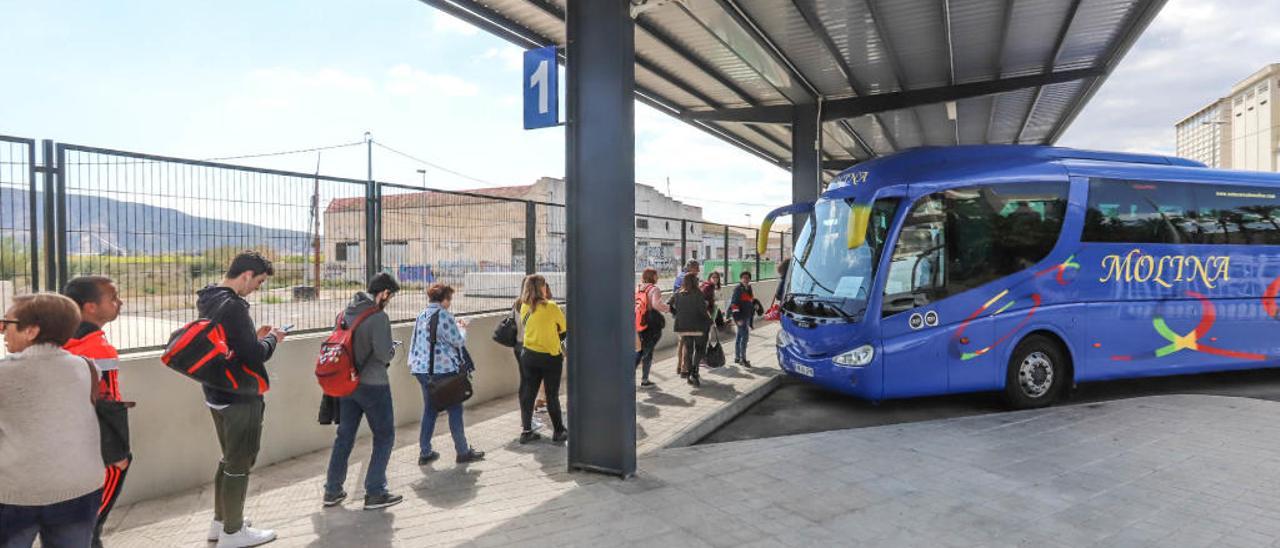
(958, 163)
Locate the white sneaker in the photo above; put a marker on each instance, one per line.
(215, 529)
(245, 537)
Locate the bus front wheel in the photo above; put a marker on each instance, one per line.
(1037, 371)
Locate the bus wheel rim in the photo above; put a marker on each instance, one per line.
(1035, 374)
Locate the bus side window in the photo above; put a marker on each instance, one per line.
(915, 268)
(959, 239)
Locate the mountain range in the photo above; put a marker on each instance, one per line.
(98, 225)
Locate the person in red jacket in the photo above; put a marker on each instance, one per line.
(99, 302)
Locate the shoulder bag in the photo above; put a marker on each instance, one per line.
(447, 390)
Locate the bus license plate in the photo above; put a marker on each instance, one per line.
(804, 370)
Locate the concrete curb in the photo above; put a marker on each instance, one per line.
(701, 429)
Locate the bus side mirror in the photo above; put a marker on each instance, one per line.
(762, 236)
(859, 216)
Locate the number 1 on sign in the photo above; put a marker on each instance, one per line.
(539, 80)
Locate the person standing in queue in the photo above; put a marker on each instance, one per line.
(450, 343)
(692, 323)
(743, 307)
(690, 267)
(50, 453)
(99, 302)
(237, 418)
(541, 360)
(373, 349)
(649, 337)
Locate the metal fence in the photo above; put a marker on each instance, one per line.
(165, 227)
(19, 210)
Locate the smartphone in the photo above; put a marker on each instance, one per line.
(287, 328)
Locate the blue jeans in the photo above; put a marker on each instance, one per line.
(740, 345)
(429, 413)
(373, 402)
(66, 524)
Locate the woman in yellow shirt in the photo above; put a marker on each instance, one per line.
(541, 360)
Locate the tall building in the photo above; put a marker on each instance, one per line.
(1206, 135)
(1255, 122)
(1240, 131)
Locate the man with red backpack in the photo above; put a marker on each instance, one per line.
(372, 350)
(649, 321)
(237, 418)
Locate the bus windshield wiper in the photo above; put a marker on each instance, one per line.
(812, 278)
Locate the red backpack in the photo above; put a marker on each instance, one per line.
(642, 308)
(336, 367)
(199, 350)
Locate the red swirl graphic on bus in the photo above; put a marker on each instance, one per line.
(1192, 340)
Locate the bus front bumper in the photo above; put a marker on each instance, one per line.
(862, 382)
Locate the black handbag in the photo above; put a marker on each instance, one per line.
(113, 422)
(448, 390)
(715, 352)
(507, 332)
(113, 429)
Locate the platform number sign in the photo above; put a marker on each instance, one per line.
(541, 88)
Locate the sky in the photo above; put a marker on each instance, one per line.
(217, 79)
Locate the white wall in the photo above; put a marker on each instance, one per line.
(173, 440)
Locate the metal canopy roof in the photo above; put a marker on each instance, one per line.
(887, 74)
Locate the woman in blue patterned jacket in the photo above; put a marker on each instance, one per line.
(451, 339)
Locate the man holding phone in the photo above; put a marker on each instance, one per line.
(237, 418)
(372, 349)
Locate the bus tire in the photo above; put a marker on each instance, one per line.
(1036, 374)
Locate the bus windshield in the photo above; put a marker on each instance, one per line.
(827, 279)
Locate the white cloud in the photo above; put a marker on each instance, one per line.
(511, 57)
(403, 79)
(1191, 55)
(445, 23)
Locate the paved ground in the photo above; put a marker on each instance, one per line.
(446, 503)
(797, 407)
(1174, 470)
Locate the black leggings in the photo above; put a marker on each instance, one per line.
(540, 368)
(695, 347)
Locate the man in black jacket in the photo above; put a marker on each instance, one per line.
(237, 418)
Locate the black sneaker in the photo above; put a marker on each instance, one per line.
(560, 436)
(334, 499)
(526, 437)
(746, 362)
(646, 383)
(373, 502)
(471, 456)
(695, 380)
(424, 460)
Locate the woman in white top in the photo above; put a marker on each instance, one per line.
(50, 458)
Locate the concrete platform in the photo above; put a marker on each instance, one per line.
(471, 499)
(1177, 470)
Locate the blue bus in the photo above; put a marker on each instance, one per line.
(1027, 269)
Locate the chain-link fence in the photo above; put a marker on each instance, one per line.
(165, 227)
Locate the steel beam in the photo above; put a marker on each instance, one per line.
(853, 107)
(806, 179)
(1006, 15)
(1049, 65)
(600, 178)
(1137, 24)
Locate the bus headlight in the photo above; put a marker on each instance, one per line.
(857, 357)
(783, 339)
